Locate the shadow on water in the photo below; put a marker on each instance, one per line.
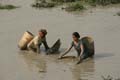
(42, 63)
(102, 55)
(34, 61)
(85, 70)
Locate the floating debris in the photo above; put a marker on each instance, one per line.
(75, 7)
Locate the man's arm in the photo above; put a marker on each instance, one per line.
(29, 45)
(46, 45)
(37, 44)
(67, 51)
(38, 48)
(82, 50)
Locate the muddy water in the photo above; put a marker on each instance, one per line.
(100, 23)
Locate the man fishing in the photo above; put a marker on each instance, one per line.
(35, 44)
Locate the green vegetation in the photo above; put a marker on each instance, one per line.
(103, 2)
(8, 7)
(43, 4)
(63, 1)
(72, 5)
(75, 7)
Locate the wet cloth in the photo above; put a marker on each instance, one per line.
(78, 49)
(55, 48)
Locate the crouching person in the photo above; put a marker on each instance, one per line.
(81, 46)
(35, 44)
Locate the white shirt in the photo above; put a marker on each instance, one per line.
(37, 40)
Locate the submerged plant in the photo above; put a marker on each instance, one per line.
(63, 1)
(75, 7)
(72, 5)
(8, 7)
(101, 2)
(43, 4)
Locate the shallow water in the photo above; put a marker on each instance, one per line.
(101, 23)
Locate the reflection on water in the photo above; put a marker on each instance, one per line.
(50, 67)
(102, 24)
(35, 62)
(103, 55)
(84, 71)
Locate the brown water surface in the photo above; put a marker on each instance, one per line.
(101, 23)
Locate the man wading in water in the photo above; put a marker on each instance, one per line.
(79, 47)
(34, 45)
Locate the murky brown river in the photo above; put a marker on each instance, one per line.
(101, 23)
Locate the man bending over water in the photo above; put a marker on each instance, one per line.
(34, 45)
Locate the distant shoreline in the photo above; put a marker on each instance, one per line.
(73, 5)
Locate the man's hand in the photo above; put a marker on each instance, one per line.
(60, 57)
(80, 61)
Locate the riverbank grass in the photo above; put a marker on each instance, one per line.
(72, 5)
(75, 6)
(43, 4)
(7, 7)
